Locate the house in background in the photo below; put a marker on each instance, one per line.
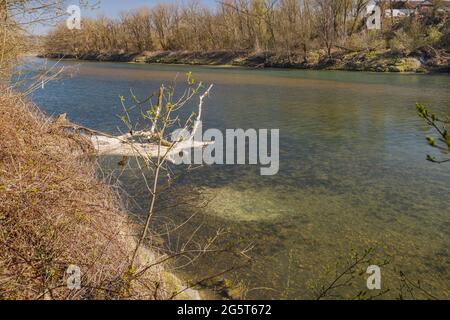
(406, 8)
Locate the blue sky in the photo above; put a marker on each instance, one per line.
(112, 8)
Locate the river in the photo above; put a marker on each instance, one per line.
(353, 173)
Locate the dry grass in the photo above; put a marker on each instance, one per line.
(54, 212)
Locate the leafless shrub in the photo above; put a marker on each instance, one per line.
(151, 145)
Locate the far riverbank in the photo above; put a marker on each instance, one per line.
(372, 61)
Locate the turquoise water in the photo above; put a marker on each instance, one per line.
(352, 173)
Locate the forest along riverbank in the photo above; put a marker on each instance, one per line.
(425, 60)
(287, 34)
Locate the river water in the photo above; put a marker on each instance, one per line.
(353, 173)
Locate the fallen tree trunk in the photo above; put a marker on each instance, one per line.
(146, 143)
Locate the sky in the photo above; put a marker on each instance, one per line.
(112, 8)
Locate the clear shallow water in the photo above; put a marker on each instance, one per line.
(352, 169)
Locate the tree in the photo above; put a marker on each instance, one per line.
(138, 24)
(18, 16)
(325, 24)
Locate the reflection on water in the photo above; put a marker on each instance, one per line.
(352, 169)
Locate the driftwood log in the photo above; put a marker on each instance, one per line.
(146, 143)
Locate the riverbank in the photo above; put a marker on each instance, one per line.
(58, 216)
(423, 61)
